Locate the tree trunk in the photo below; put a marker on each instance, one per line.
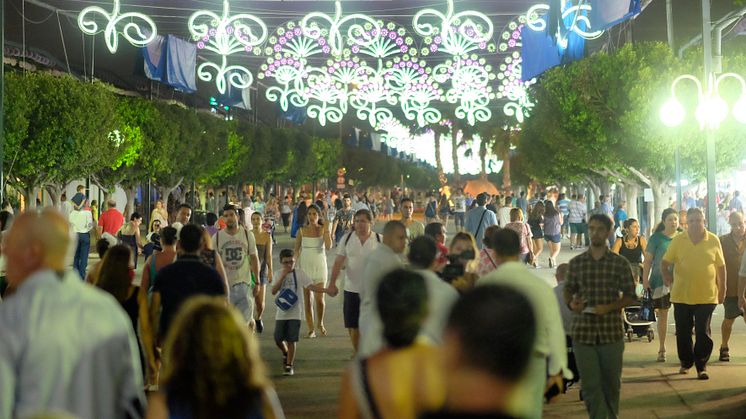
(454, 154)
(166, 192)
(483, 158)
(54, 192)
(438, 159)
(631, 194)
(506, 169)
(129, 206)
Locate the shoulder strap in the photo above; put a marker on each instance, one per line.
(152, 268)
(246, 233)
(491, 261)
(349, 236)
(361, 388)
(476, 233)
(295, 281)
(378, 237)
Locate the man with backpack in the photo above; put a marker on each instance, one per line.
(342, 224)
(351, 255)
(237, 248)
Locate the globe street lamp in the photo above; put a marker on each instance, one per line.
(711, 111)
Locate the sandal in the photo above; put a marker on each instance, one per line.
(661, 356)
(311, 335)
(724, 355)
(322, 330)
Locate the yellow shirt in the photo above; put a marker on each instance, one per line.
(695, 269)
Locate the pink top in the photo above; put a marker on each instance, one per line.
(523, 232)
(487, 262)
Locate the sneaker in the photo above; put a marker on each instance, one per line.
(684, 370)
(288, 370)
(259, 326)
(724, 355)
(284, 360)
(702, 375)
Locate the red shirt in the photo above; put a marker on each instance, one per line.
(442, 253)
(111, 221)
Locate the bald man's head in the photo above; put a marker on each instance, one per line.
(36, 241)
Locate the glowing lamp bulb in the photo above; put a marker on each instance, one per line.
(739, 110)
(672, 113)
(711, 112)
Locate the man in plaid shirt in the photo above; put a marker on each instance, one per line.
(595, 281)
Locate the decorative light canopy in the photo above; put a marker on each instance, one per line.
(226, 35)
(575, 13)
(132, 32)
(330, 65)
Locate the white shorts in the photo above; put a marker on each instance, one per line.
(242, 299)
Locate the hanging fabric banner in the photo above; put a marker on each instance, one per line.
(605, 13)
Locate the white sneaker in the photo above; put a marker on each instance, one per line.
(288, 370)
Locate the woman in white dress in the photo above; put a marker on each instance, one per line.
(159, 214)
(311, 244)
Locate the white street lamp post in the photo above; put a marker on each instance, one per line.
(711, 109)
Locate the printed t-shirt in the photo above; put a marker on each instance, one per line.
(235, 251)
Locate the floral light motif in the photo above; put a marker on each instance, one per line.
(511, 87)
(226, 35)
(132, 32)
(580, 25)
(289, 50)
(470, 88)
(312, 28)
(454, 33)
(411, 80)
(326, 96)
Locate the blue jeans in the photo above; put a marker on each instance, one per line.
(80, 261)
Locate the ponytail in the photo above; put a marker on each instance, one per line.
(662, 225)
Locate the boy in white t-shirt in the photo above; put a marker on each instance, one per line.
(287, 287)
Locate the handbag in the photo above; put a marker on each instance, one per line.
(288, 298)
(647, 310)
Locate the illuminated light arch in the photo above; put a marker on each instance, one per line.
(581, 24)
(226, 35)
(511, 87)
(132, 32)
(325, 97)
(355, 31)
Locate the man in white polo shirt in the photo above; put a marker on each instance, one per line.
(352, 250)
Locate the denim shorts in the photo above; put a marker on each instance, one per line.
(554, 238)
(242, 299)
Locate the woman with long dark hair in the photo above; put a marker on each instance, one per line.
(536, 222)
(212, 367)
(552, 231)
(410, 362)
(313, 240)
(652, 277)
(631, 245)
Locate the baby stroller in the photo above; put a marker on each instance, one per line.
(636, 323)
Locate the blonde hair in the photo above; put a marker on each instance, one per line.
(211, 362)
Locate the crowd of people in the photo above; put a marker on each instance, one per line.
(440, 328)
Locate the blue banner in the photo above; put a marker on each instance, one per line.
(181, 64)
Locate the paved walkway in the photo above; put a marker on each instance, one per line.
(649, 389)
